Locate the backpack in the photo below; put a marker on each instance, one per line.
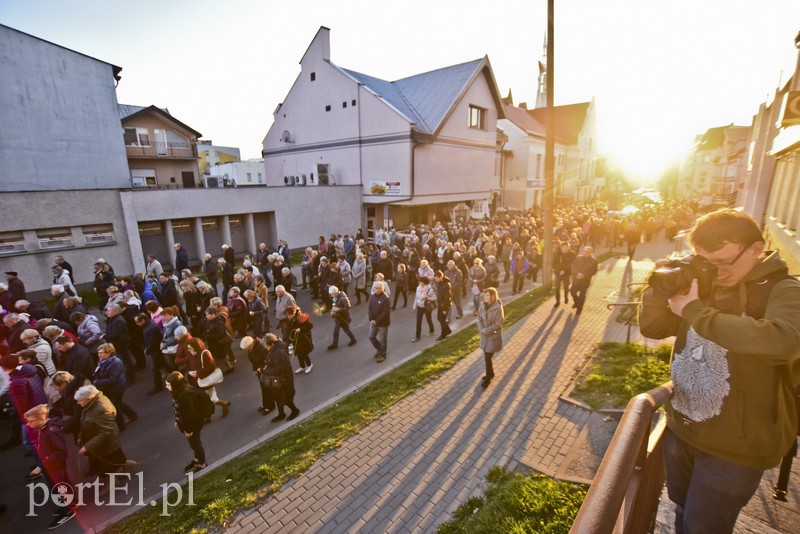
(757, 296)
(202, 403)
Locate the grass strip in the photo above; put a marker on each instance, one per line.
(620, 371)
(246, 480)
(518, 503)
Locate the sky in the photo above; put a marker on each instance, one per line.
(660, 71)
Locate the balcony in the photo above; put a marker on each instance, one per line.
(162, 150)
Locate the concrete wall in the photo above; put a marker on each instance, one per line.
(31, 211)
(61, 128)
(301, 214)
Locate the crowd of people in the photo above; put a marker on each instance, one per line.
(68, 374)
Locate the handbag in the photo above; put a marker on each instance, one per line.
(430, 305)
(211, 380)
(272, 382)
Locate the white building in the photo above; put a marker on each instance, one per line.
(416, 147)
(715, 168)
(575, 154)
(237, 174)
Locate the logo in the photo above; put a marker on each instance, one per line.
(121, 489)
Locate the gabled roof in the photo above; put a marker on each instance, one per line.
(568, 120)
(127, 111)
(524, 120)
(427, 99)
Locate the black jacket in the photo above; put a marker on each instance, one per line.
(117, 333)
(379, 309)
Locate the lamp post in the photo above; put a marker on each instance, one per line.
(549, 159)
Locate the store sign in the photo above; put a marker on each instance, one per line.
(384, 188)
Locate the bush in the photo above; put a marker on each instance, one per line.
(518, 503)
(619, 371)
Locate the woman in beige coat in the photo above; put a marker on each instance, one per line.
(490, 327)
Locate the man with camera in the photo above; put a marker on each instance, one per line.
(735, 313)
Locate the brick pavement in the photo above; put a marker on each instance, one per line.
(409, 470)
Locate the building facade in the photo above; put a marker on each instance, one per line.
(210, 154)
(714, 171)
(416, 147)
(575, 173)
(73, 180)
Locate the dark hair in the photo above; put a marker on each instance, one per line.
(151, 306)
(142, 317)
(76, 317)
(63, 339)
(713, 231)
(178, 383)
(424, 280)
(211, 310)
(438, 274)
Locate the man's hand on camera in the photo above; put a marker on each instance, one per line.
(679, 301)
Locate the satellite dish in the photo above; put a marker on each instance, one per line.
(286, 137)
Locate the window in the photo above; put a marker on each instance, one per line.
(98, 234)
(327, 108)
(344, 104)
(353, 103)
(12, 243)
(260, 179)
(477, 117)
(235, 221)
(143, 177)
(313, 76)
(151, 228)
(51, 238)
(210, 223)
(249, 178)
(136, 137)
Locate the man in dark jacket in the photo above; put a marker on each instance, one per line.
(229, 254)
(151, 340)
(379, 320)
(227, 277)
(215, 334)
(15, 285)
(16, 326)
(211, 270)
(583, 269)
(340, 311)
(444, 301)
(384, 266)
(117, 333)
(181, 258)
(168, 296)
(74, 359)
(562, 265)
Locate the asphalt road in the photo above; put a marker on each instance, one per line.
(161, 451)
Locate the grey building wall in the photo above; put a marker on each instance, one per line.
(61, 129)
(300, 214)
(33, 214)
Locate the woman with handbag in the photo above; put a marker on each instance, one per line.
(300, 337)
(490, 328)
(424, 304)
(278, 377)
(203, 369)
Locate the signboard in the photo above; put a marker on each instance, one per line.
(384, 188)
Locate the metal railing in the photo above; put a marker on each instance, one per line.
(625, 492)
(161, 150)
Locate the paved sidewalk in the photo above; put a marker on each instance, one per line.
(409, 470)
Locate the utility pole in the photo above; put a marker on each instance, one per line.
(549, 160)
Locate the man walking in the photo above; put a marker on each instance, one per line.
(562, 264)
(340, 312)
(379, 311)
(583, 269)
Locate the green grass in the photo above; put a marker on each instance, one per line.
(296, 256)
(518, 503)
(247, 479)
(620, 371)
